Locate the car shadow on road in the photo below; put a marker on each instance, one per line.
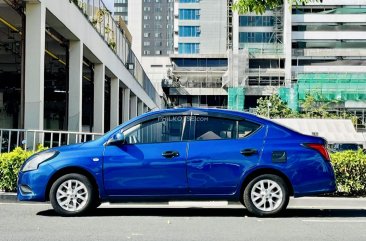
(214, 212)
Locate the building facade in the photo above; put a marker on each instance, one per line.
(121, 10)
(200, 54)
(295, 51)
(151, 26)
(59, 75)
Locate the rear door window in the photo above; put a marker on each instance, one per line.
(214, 128)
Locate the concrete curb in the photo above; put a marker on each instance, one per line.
(8, 197)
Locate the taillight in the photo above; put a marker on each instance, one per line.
(319, 148)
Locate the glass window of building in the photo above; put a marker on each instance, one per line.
(188, 48)
(256, 21)
(189, 14)
(189, 31)
(255, 37)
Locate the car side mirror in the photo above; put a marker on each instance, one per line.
(118, 138)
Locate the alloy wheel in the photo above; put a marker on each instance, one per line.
(266, 195)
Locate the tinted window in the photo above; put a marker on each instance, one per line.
(212, 128)
(246, 128)
(162, 129)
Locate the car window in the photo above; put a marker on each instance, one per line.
(245, 128)
(161, 129)
(213, 128)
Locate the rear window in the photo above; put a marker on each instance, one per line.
(245, 128)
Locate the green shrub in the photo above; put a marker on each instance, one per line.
(10, 164)
(350, 171)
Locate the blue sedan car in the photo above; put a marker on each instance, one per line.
(182, 154)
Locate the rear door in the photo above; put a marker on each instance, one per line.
(220, 151)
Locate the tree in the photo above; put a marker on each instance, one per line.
(273, 107)
(260, 6)
(315, 109)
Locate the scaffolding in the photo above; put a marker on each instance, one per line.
(236, 77)
(229, 28)
(277, 35)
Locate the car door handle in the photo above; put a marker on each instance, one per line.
(170, 154)
(248, 152)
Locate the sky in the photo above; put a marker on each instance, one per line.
(109, 4)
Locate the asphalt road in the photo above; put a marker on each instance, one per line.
(28, 222)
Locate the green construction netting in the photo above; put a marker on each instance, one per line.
(326, 87)
(236, 98)
(329, 87)
(290, 96)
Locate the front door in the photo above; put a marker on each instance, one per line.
(220, 151)
(152, 161)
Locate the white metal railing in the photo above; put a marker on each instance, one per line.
(30, 139)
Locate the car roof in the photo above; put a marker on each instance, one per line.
(197, 111)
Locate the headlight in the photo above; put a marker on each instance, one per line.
(34, 161)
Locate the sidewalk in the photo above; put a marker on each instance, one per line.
(301, 203)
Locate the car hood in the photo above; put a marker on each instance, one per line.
(68, 147)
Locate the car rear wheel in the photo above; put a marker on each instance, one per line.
(72, 194)
(266, 195)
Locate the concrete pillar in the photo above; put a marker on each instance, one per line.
(235, 32)
(145, 108)
(114, 102)
(99, 90)
(287, 41)
(126, 104)
(133, 107)
(34, 65)
(75, 86)
(140, 107)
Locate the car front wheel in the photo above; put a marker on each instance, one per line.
(266, 195)
(72, 194)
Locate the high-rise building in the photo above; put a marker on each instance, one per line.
(224, 59)
(317, 49)
(121, 10)
(199, 60)
(151, 25)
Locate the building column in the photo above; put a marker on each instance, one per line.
(99, 93)
(114, 102)
(140, 107)
(75, 86)
(133, 107)
(126, 104)
(235, 37)
(34, 66)
(287, 41)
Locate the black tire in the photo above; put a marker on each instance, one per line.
(281, 203)
(91, 201)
